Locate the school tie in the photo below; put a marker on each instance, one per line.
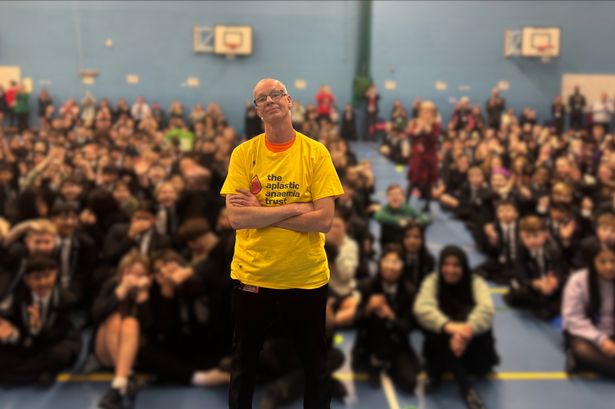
(65, 262)
(512, 243)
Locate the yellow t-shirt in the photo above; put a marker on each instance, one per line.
(273, 257)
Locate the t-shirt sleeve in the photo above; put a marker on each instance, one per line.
(326, 182)
(237, 176)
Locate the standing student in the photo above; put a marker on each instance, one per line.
(455, 309)
(280, 193)
(588, 312)
(424, 133)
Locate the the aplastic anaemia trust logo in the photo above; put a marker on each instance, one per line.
(255, 185)
(277, 191)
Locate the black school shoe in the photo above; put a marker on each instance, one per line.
(571, 365)
(113, 399)
(473, 400)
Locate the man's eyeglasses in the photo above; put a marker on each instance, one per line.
(274, 95)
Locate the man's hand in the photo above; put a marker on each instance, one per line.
(244, 198)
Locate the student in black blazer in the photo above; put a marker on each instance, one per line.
(120, 313)
(502, 244)
(40, 238)
(384, 320)
(37, 339)
(418, 260)
(605, 236)
(539, 272)
(140, 234)
(182, 340)
(75, 252)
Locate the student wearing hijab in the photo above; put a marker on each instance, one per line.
(589, 316)
(455, 309)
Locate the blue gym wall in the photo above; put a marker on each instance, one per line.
(461, 43)
(413, 43)
(51, 41)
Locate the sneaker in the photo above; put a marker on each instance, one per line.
(111, 400)
(473, 400)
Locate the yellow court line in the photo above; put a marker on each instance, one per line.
(499, 290)
(361, 376)
(498, 376)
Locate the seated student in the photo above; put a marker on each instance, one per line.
(395, 215)
(588, 311)
(564, 229)
(37, 339)
(470, 201)
(40, 238)
(76, 250)
(502, 243)
(120, 313)
(539, 271)
(139, 234)
(455, 309)
(280, 364)
(418, 260)
(384, 321)
(605, 236)
(181, 340)
(344, 262)
(207, 255)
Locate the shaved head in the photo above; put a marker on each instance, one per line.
(271, 82)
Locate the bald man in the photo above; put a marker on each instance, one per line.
(280, 196)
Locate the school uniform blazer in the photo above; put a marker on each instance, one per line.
(400, 304)
(526, 267)
(57, 325)
(117, 243)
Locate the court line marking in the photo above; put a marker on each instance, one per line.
(498, 290)
(389, 390)
(361, 376)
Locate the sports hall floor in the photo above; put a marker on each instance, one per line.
(530, 375)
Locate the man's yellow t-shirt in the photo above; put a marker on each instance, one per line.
(273, 257)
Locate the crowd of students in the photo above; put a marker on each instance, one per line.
(111, 221)
(539, 202)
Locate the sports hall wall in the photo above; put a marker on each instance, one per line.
(414, 44)
(51, 41)
(417, 44)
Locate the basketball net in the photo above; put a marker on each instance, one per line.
(232, 47)
(545, 58)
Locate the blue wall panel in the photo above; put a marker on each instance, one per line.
(313, 41)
